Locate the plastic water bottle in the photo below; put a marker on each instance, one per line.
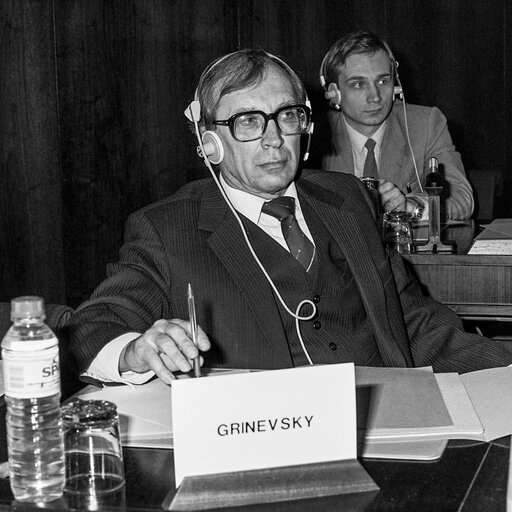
(30, 354)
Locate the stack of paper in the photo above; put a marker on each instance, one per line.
(413, 403)
(410, 413)
(144, 411)
(402, 412)
(496, 238)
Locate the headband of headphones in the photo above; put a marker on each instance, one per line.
(210, 144)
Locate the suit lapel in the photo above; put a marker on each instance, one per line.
(228, 244)
(342, 159)
(345, 230)
(393, 152)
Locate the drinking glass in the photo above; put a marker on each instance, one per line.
(397, 231)
(93, 455)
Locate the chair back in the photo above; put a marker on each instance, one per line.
(487, 184)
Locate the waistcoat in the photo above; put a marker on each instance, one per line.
(340, 330)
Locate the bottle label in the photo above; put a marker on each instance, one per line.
(31, 374)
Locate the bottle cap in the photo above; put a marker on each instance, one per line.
(28, 306)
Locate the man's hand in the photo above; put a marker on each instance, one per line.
(391, 198)
(165, 347)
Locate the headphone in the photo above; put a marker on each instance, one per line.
(212, 151)
(332, 92)
(210, 146)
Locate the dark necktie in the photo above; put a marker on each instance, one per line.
(283, 209)
(370, 165)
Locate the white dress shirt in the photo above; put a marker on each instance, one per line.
(359, 152)
(250, 206)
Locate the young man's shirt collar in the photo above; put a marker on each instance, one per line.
(358, 140)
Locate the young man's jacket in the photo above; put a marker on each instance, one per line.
(429, 137)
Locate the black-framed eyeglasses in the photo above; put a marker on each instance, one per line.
(251, 125)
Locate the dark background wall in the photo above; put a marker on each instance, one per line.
(93, 92)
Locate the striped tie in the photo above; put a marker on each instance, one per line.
(283, 209)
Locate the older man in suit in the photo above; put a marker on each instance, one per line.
(311, 285)
(360, 77)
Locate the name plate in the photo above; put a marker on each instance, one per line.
(264, 419)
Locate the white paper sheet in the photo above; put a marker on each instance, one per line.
(496, 247)
(491, 395)
(145, 414)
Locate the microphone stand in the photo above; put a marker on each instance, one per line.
(434, 188)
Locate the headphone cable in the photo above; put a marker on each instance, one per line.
(409, 137)
(296, 315)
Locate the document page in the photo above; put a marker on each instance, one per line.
(491, 394)
(496, 238)
(496, 247)
(145, 410)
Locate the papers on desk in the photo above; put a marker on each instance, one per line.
(144, 411)
(402, 412)
(414, 403)
(495, 247)
(491, 395)
(496, 238)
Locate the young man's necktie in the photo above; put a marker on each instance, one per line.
(370, 165)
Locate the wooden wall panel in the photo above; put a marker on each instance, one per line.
(451, 55)
(503, 204)
(127, 71)
(31, 252)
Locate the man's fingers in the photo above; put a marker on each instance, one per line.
(394, 200)
(203, 343)
(156, 363)
(164, 348)
(180, 352)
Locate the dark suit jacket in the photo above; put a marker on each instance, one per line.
(192, 237)
(429, 136)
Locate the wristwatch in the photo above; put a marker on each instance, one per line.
(418, 208)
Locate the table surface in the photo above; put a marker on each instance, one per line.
(470, 476)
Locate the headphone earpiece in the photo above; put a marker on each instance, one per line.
(397, 91)
(333, 94)
(212, 147)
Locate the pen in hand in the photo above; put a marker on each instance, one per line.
(193, 324)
